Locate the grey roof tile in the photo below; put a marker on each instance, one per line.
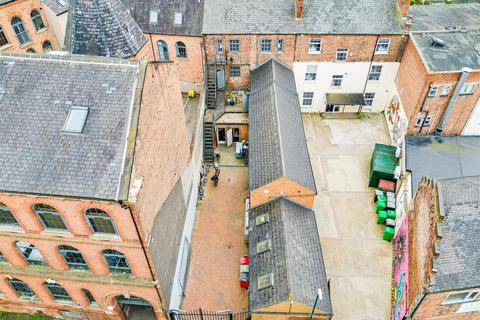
(102, 28)
(445, 17)
(320, 17)
(277, 143)
(458, 262)
(57, 7)
(295, 258)
(192, 12)
(35, 96)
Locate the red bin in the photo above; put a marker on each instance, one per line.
(244, 260)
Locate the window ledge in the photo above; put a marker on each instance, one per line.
(341, 61)
(262, 52)
(16, 229)
(6, 46)
(26, 44)
(182, 58)
(41, 30)
(101, 236)
(381, 53)
(314, 52)
(57, 233)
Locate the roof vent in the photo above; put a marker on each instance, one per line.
(261, 219)
(153, 17)
(265, 281)
(77, 116)
(178, 18)
(437, 42)
(264, 246)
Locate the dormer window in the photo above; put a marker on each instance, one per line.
(153, 17)
(77, 116)
(178, 18)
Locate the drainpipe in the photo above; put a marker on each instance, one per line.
(453, 99)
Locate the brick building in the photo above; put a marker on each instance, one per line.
(347, 50)
(56, 12)
(83, 155)
(173, 29)
(444, 269)
(24, 27)
(440, 69)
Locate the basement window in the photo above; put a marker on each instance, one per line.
(461, 297)
(264, 246)
(432, 92)
(265, 281)
(261, 219)
(77, 116)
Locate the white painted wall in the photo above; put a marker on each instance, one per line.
(354, 77)
(57, 23)
(472, 128)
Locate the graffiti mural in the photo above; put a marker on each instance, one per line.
(400, 272)
(396, 119)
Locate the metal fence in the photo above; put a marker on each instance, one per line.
(201, 314)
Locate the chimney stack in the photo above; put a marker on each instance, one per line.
(404, 5)
(298, 9)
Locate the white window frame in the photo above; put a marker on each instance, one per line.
(314, 43)
(381, 44)
(311, 72)
(280, 45)
(218, 45)
(468, 88)
(264, 43)
(342, 51)
(419, 121)
(309, 98)
(153, 17)
(379, 73)
(178, 18)
(369, 99)
(471, 296)
(336, 78)
(446, 90)
(432, 91)
(234, 43)
(239, 72)
(428, 120)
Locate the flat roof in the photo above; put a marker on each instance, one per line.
(442, 17)
(440, 157)
(37, 92)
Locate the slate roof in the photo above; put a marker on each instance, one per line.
(36, 93)
(5, 1)
(102, 28)
(192, 11)
(56, 6)
(319, 17)
(295, 258)
(458, 262)
(441, 17)
(277, 145)
(439, 157)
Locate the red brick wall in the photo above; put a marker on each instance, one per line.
(79, 236)
(432, 308)
(422, 235)
(22, 9)
(361, 48)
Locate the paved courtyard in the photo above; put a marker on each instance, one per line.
(218, 243)
(358, 262)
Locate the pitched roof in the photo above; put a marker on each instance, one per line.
(102, 28)
(37, 157)
(295, 258)
(191, 10)
(58, 7)
(442, 17)
(439, 157)
(277, 143)
(319, 17)
(458, 262)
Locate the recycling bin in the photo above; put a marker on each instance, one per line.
(381, 216)
(391, 214)
(388, 233)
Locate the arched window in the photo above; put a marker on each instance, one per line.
(47, 46)
(20, 30)
(49, 216)
(3, 37)
(30, 253)
(22, 289)
(37, 20)
(30, 51)
(2, 258)
(181, 49)
(89, 297)
(58, 292)
(100, 221)
(73, 258)
(6, 216)
(162, 50)
(116, 261)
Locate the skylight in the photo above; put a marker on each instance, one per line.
(77, 116)
(178, 18)
(153, 16)
(63, 3)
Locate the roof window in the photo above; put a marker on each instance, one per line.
(178, 18)
(77, 116)
(62, 2)
(154, 17)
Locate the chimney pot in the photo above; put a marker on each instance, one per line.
(404, 5)
(298, 9)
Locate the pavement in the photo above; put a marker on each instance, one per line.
(358, 262)
(191, 108)
(218, 243)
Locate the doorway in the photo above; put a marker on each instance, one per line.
(220, 79)
(332, 108)
(221, 136)
(136, 308)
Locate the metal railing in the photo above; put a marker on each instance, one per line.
(201, 314)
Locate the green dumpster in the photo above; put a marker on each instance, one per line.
(380, 205)
(383, 164)
(381, 216)
(388, 233)
(391, 214)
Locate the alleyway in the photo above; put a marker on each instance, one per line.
(358, 262)
(213, 279)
